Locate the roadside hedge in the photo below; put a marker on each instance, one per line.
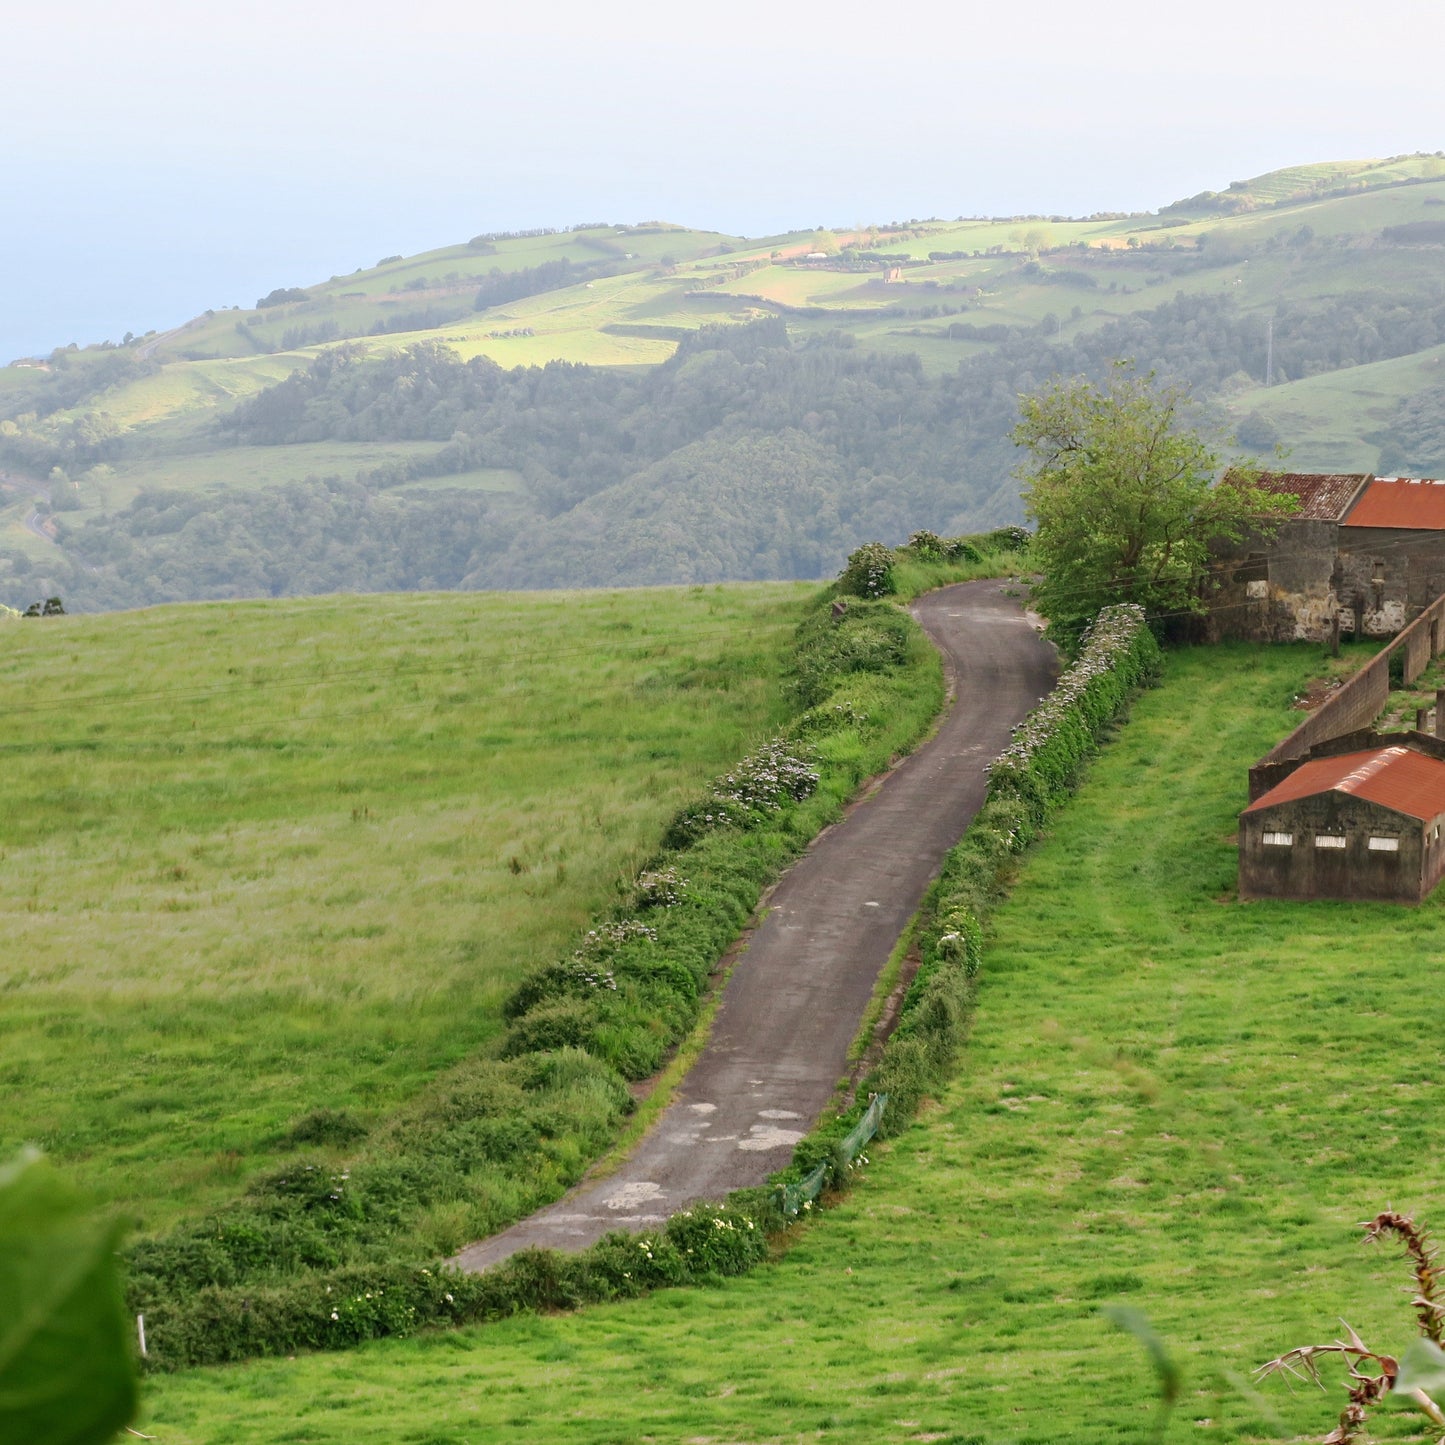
(508, 1132)
(317, 1258)
(1034, 776)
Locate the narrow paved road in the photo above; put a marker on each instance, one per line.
(795, 998)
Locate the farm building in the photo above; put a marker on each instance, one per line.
(1367, 550)
(1350, 822)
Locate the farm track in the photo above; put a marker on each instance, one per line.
(798, 992)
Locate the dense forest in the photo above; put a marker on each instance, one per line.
(749, 454)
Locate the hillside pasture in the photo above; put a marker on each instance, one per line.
(1171, 1101)
(1334, 414)
(267, 859)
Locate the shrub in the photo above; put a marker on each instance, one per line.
(778, 773)
(661, 888)
(869, 572)
(927, 547)
(871, 637)
(1117, 655)
(557, 1023)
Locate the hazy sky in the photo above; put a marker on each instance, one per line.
(162, 157)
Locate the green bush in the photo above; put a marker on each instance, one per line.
(869, 572)
(869, 638)
(1116, 656)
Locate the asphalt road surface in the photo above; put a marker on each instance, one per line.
(795, 998)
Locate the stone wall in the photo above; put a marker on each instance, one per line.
(1290, 587)
(1277, 589)
(1386, 575)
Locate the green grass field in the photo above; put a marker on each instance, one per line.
(1171, 1100)
(261, 859)
(1333, 414)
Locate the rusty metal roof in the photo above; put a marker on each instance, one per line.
(1414, 502)
(1397, 778)
(1323, 496)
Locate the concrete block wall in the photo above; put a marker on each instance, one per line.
(1361, 700)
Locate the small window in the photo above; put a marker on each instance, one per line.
(1384, 845)
(1379, 572)
(1329, 840)
(1279, 840)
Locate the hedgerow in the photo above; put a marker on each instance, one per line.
(1035, 775)
(507, 1133)
(318, 1257)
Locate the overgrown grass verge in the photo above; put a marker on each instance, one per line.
(322, 1254)
(927, 561)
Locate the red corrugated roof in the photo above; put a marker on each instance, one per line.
(1417, 502)
(1323, 496)
(1396, 778)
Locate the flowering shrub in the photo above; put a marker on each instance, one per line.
(660, 888)
(831, 718)
(604, 940)
(716, 1240)
(1008, 539)
(869, 572)
(771, 777)
(763, 783)
(1117, 654)
(927, 546)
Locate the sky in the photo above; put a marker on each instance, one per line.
(163, 157)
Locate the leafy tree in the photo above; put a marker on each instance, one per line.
(1123, 494)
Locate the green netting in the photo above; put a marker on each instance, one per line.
(864, 1129)
(792, 1197)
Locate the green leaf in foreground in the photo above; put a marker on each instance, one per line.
(1422, 1367)
(1171, 1379)
(66, 1372)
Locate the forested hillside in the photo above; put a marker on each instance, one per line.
(650, 404)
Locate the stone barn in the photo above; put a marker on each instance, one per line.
(1367, 550)
(1363, 824)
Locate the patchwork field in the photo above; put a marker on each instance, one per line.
(1171, 1101)
(264, 859)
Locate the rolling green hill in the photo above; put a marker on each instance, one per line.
(121, 481)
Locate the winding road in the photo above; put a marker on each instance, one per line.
(796, 996)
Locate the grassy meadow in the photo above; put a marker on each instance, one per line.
(267, 858)
(1171, 1101)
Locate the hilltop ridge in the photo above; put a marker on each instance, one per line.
(1305, 306)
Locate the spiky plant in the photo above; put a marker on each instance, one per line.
(1372, 1375)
